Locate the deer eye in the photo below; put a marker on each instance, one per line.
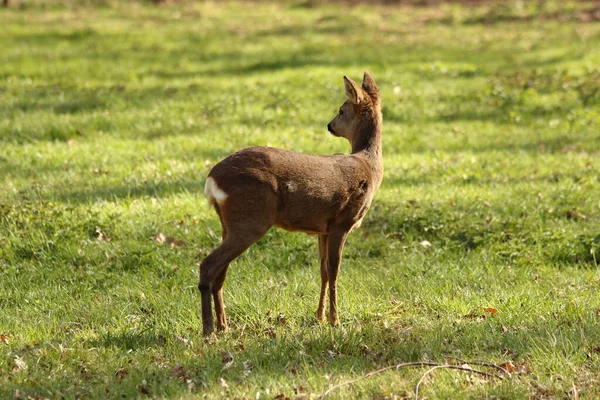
(341, 112)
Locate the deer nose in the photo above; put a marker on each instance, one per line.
(329, 128)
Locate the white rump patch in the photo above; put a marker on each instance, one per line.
(214, 192)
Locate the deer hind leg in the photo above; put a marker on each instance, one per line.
(213, 266)
(324, 277)
(213, 270)
(240, 231)
(335, 245)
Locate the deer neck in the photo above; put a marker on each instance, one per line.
(367, 140)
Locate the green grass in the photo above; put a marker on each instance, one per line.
(112, 115)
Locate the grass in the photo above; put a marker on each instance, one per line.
(111, 116)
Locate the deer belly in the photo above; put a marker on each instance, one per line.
(306, 226)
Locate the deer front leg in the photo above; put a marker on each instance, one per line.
(335, 245)
(324, 277)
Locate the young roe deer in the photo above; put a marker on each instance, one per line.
(326, 195)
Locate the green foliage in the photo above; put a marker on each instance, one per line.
(112, 113)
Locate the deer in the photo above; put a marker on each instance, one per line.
(257, 188)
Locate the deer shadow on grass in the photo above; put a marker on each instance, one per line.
(190, 182)
(80, 102)
(122, 192)
(129, 340)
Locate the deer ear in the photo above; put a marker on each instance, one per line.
(353, 92)
(369, 85)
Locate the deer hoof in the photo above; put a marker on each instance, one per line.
(222, 327)
(207, 330)
(320, 316)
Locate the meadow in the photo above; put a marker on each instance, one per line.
(483, 243)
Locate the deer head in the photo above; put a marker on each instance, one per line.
(362, 109)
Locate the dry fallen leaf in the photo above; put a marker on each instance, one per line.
(508, 352)
(161, 362)
(270, 332)
(299, 389)
(121, 373)
(524, 368)
(224, 384)
(164, 239)
(281, 319)
(4, 339)
(475, 316)
(227, 357)
(160, 237)
(174, 242)
(180, 372)
(143, 387)
(491, 310)
(101, 236)
(572, 214)
(83, 370)
(292, 369)
(509, 366)
(20, 364)
(247, 366)
(183, 340)
(425, 244)
(331, 354)
(595, 349)
(191, 385)
(365, 350)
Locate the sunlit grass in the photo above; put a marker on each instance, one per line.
(111, 117)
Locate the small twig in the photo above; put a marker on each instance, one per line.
(371, 373)
(241, 335)
(421, 364)
(429, 371)
(484, 364)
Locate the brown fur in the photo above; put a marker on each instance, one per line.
(327, 195)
